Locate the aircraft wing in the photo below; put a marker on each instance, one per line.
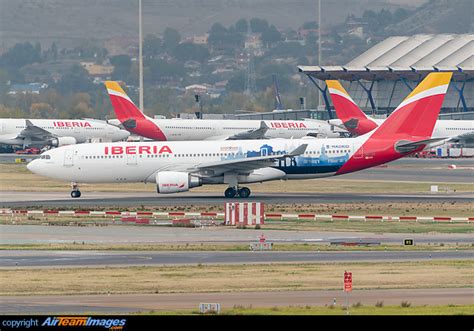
(251, 134)
(243, 165)
(33, 131)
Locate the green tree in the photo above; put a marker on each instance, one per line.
(217, 35)
(20, 55)
(188, 51)
(171, 39)
(242, 26)
(271, 36)
(227, 39)
(152, 46)
(258, 25)
(237, 82)
(160, 70)
(122, 65)
(75, 80)
(3, 83)
(310, 25)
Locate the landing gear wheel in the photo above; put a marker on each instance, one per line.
(244, 192)
(230, 192)
(75, 194)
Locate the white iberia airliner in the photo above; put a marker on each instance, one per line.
(179, 166)
(357, 122)
(138, 123)
(56, 132)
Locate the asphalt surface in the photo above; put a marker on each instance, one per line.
(121, 234)
(132, 199)
(144, 258)
(131, 303)
(403, 170)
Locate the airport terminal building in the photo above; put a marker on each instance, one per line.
(380, 78)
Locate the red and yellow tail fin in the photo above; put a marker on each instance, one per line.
(418, 113)
(407, 130)
(124, 108)
(347, 111)
(130, 116)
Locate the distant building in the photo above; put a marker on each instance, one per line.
(304, 33)
(121, 46)
(31, 88)
(253, 41)
(380, 78)
(200, 40)
(197, 88)
(355, 26)
(97, 70)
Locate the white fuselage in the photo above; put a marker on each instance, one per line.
(193, 129)
(445, 128)
(140, 162)
(81, 130)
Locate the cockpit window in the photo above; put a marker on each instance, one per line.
(45, 157)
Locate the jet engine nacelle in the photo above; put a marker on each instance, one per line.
(63, 141)
(262, 175)
(174, 182)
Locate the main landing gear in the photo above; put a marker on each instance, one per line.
(232, 192)
(75, 193)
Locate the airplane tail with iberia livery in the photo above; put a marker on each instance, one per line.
(131, 117)
(353, 118)
(407, 130)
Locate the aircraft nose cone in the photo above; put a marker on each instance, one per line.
(124, 134)
(33, 166)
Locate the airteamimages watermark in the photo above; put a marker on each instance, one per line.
(64, 321)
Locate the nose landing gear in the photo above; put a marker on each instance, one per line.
(75, 193)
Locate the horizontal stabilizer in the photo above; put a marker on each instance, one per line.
(405, 146)
(251, 134)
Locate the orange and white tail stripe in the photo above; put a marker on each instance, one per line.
(113, 88)
(435, 83)
(335, 88)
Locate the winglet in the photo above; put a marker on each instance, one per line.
(298, 150)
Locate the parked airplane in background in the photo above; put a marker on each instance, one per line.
(56, 132)
(138, 123)
(179, 166)
(357, 122)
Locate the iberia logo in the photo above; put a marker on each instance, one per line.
(72, 124)
(133, 149)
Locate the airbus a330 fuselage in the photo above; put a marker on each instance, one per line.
(134, 120)
(56, 132)
(179, 166)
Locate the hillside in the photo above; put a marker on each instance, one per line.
(438, 16)
(70, 21)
